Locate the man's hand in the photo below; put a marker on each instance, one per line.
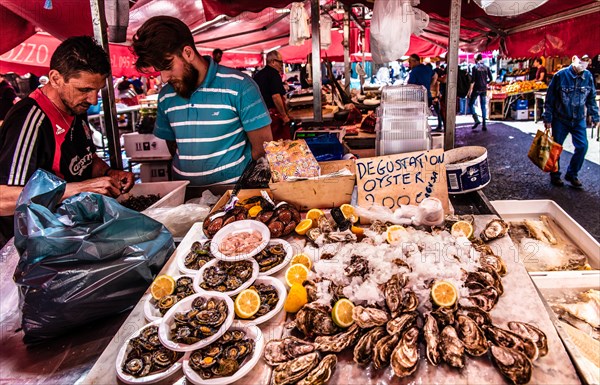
(104, 185)
(286, 119)
(468, 95)
(548, 125)
(124, 179)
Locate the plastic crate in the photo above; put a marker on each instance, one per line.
(172, 193)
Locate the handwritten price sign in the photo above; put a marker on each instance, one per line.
(403, 179)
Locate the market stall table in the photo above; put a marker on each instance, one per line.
(307, 114)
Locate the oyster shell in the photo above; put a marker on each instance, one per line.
(526, 330)
(383, 350)
(495, 262)
(513, 364)
(471, 335)
(401, 323)
(393, 293)
(410, 301)
(363, 351)
(451, 348)
(368, 317)
(405, 357)
(322, 373)
(431, 333)
(278, 351)
(508, 339)
(481, 317)
(338, 342)
(485, 298)
(315, 319)
(444, 315)
(296, 369)
(495, 229)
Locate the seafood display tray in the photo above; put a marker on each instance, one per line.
(518, 210)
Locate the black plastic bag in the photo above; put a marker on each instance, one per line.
(82, 260)
(256, 175)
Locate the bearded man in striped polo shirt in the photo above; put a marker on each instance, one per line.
(213, 117)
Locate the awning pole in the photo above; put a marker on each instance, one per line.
(347, 66)
(108, 93)
(452, 70)
(315, 13)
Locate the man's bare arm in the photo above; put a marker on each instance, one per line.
(257, 138)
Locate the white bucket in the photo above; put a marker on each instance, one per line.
(467, 169)
(437, 140)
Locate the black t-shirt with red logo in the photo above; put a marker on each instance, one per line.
(36, 134)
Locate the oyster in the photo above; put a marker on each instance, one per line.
(324, 224)
(513, 364)
(368, 317)
(314, 234)
(508, 339)
(444, 315)
(340, 341)
(401, 323)
(495, 262)
(405, 357)
(481, 317)
(363, 351)
(342, 236)
(471, 335)
(392, 292)
(383, 350)
(311, 290)
(278, 351)
(431, 333)
(410, 301)
(451, 348)
(485, 298)
(322, 373)
(495, 229)
(358, 267)
(315, 319)
(526, 330)
(296, 369)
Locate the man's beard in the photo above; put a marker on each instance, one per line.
(72, 110)
(187, 85)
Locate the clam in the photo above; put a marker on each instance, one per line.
(368, 317)
(322, 373)
(363, 351)
(526, 330)
(405, 357)
(340, 341)
(494, 229)
(451, 348)
(282, 350)
(513, 364)
(293, 371)
(471, 335)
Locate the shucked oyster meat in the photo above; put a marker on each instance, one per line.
(294, 370)
(495, 229)
(282, 350)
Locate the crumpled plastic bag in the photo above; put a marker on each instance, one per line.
(179, 220)
(80, 260)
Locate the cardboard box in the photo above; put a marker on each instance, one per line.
(143, 146)
(242, 194)
(318, 193)
(155, 172)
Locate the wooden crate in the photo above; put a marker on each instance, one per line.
(496, 108)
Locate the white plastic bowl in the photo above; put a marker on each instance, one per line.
(238, 227)
(289, 254)
(181, 260)
(252, 332)
(151, 312)
(129, 379)
(281, 292)
(164, 330)
(199, 278)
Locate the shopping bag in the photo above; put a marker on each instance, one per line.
(80, 260)
(544, 151)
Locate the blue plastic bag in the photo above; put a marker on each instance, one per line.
(80, 260)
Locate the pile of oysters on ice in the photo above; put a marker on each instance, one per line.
(389, 335)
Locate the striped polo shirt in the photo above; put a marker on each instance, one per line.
(210, 127)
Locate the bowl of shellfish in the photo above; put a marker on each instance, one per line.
(196, 321)
(272, 294)
(226, 360)
(240, 240)
(229, 278)
(197, 257)
(274, 257)
(143, 359)
(155, 310)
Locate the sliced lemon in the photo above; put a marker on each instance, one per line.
(296, 298)
(349, 213)
(302, 259)
(342, 313)
(163, 285)
(357, 230)
(247, 303)
(444, 294)
(296, 274)
(254, 211)
(314, 214)
(462, 229)
(304, 226)
(393, 233)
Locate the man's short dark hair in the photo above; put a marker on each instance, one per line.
(217, 51)
(158, 38)
(478, 57)
(80, 54)
(538, 60)
(416, 57)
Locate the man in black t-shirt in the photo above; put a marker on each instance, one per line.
(7, 97)
(480, 77)
(49, 130)
(271, 87)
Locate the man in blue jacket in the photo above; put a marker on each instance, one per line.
(570, 93)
